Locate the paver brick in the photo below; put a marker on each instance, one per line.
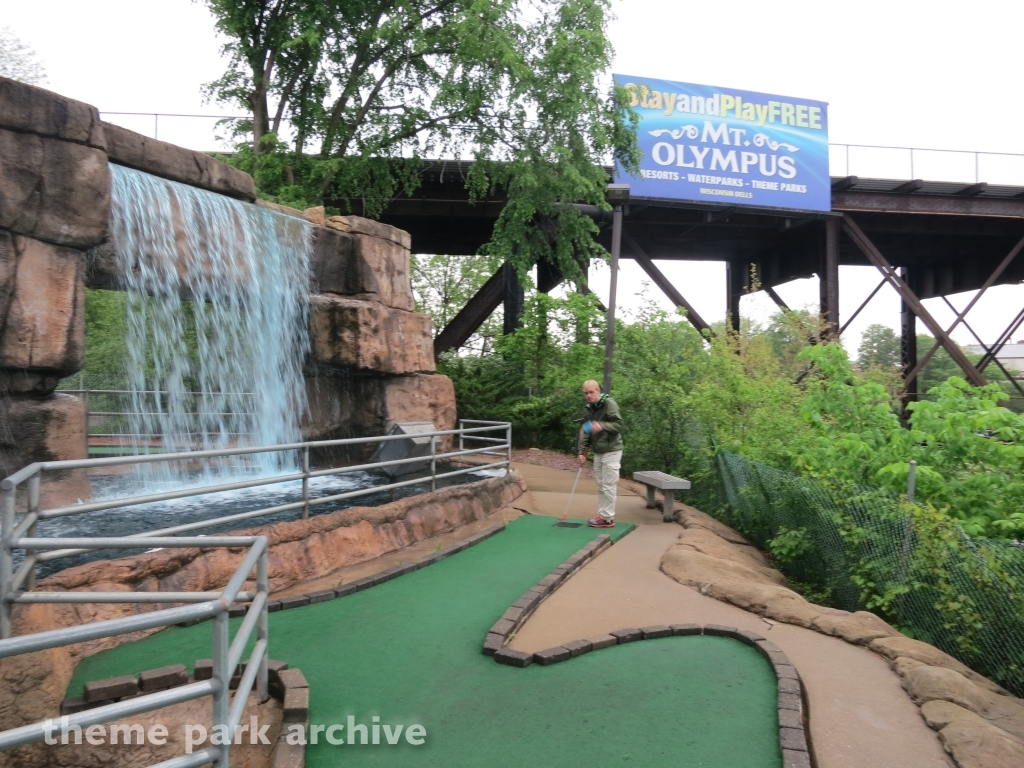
(203, 669)
(751, 638)
(73, 704)
(502, 627)
(294, 602)
(164, 677)
(793, 759)
(721, 630)
(513, 658)
(361, 584)
(345, 589)
(275, 668)
(785, 670)
(627, 635)
(552, 655)
(793, 738)
(292, 678)
(790, 718)
(296, 705)
(602, 641)
(322, 596)
(273, 605)
(687, 629)
(237, 610)
(513, 614)
(578, 647)
(790, 701)
(111, 688)
(493, 643)
(289, 755)
(789, 685)
(651, 633)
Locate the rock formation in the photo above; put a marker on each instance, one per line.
(980, 724)
(371, 362)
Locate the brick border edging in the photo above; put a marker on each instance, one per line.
(794, 731)
(289, 686)
(521, 610)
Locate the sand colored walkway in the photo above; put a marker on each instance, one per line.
(860, 717)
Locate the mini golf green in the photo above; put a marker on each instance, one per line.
(408, 651)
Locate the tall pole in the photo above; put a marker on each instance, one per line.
(908, 349)
(609, 336)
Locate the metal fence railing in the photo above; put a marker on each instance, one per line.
(227, 653)
(203, 133)
(954, 165)
(21, 514)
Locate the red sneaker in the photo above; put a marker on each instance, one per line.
(600, 522)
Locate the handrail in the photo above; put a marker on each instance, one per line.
(40, 550)
(18, 588)
(216, 605)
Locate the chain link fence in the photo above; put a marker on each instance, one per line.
(861, 548)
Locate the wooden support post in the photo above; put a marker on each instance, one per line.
(829, 281)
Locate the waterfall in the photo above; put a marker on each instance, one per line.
(217, 322)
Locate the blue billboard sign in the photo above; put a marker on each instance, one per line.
(721, 145)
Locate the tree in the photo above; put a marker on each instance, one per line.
(879, 348)
(365, 89)
(18, 61)
(443, 284)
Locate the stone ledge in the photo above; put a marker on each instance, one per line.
(721, 564)
(170, 161)
(30, 109)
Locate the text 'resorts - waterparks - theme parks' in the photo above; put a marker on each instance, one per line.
(719, 145)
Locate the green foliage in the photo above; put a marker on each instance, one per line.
(788, 545)
(347, 97)
(444, 284)
(879, 348)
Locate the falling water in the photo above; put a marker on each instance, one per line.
(217, 325)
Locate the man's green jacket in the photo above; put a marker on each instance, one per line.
(605, 412)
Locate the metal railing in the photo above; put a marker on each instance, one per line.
(18, 531)
(29, 480)
(936, 162)
(131, 440)
(227, 653)
(955, 165)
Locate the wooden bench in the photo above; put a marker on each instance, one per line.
(668, 486)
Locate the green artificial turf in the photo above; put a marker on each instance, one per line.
(408, 651)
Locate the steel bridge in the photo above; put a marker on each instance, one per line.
(927, 239)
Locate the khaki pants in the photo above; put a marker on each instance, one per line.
(606, 473)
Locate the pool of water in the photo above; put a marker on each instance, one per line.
(128, 520)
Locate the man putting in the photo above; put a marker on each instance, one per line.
(603, 433)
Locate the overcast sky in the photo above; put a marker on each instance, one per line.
(895, 73)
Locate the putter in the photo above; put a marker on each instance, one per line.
(568, 503)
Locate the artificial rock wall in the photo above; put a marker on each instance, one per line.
(371, 362)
